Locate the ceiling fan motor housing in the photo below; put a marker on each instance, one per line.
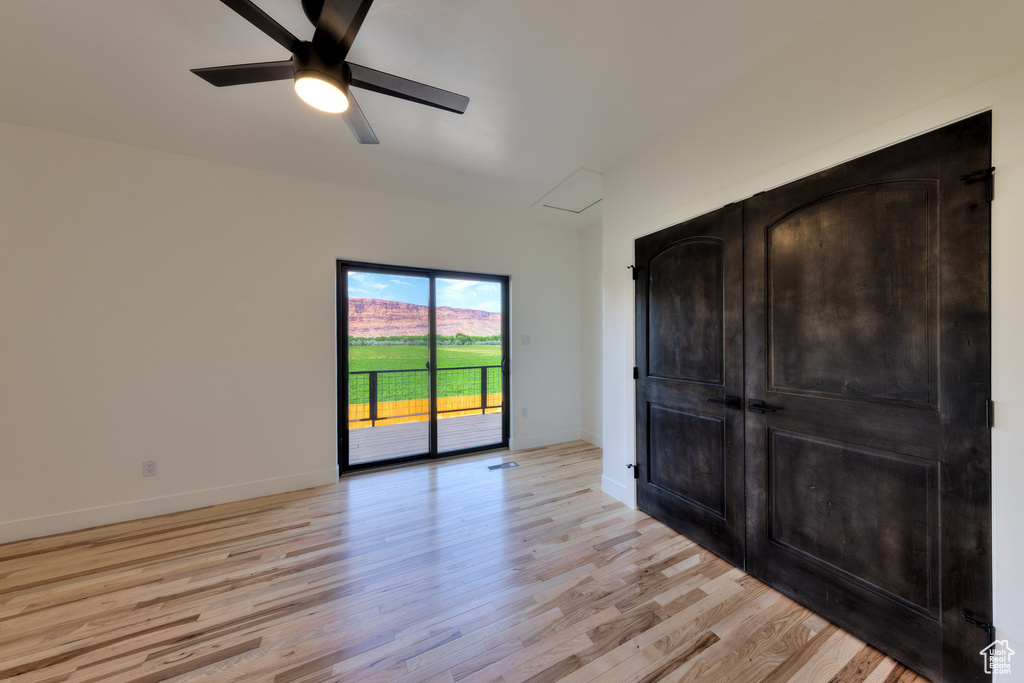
(307, 61)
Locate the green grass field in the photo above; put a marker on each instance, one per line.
(415, 357)
(402, 386)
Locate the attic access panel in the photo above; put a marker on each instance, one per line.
(577, 193)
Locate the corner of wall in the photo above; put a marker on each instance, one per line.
(620, 492)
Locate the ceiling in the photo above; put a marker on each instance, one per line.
(554, 85)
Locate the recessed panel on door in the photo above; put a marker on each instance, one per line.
(685, 311)
(687, 457)
(852, 292)
(868, 514)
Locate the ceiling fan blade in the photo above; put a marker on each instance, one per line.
(261, 20)
(403, 88)
(358, 124)
(240, 74)
(339, 23)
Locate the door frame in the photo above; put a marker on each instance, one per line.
(343, 267)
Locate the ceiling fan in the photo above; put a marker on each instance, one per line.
(322, 76)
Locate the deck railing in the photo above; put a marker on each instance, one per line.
(393, 396)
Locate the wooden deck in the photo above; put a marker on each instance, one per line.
(445, 572)
(374, 444)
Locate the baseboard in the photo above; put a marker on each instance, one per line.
(621, 492)
(592, 438)
(46, 525)
(522, 443)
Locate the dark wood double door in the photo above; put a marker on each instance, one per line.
(813, 392)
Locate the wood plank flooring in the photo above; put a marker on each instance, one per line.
(373, 444)
(438, 572)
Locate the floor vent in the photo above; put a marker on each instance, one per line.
(503, 466)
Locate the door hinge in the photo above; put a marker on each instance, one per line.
(974, 621)
(990, 413)
(636, 372)
(632, 268)
(636, 470)
(985, 174)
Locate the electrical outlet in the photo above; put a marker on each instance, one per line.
(149, 468)
(526, 411)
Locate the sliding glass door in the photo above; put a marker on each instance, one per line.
(422, 358)
(388, 360)
(468, 347)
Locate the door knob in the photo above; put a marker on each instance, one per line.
(756, 405)
(729, 401)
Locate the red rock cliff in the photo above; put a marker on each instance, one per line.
(380, 318)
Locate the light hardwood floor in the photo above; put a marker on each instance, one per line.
(442, 572)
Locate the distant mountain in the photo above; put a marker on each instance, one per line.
(381, 318)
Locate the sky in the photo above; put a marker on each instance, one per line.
(456, 293)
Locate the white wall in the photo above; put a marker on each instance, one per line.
(590, 334)
(873, 75)
(154, 306)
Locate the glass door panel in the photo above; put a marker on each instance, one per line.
(469, 350)
(388, 318)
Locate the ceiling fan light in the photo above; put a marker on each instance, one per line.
(320, 92)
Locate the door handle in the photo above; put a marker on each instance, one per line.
(756, 405)
(729, 401)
